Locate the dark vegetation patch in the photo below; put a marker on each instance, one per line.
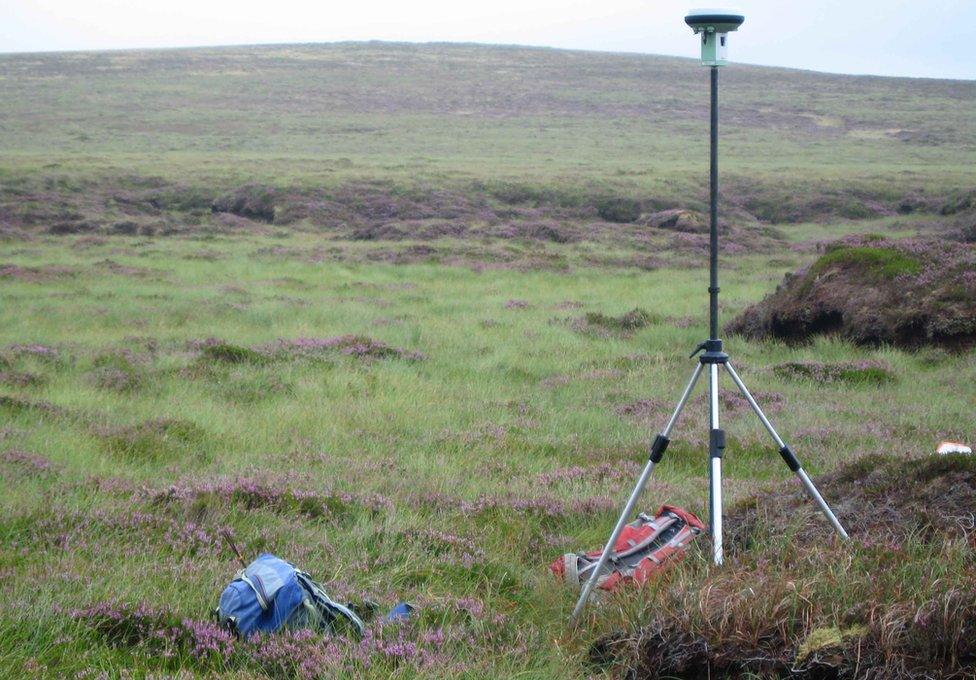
(286, 495)
(215, 352)
(866, 372)
(779, 610)
(380, 210)
(547, 508)
(15, 406)
(40, 274)
(117, 372)
(733, 241)
(31, 464)
(625, 324)
(157, 439)
(112, 267)
(14, 378)
(225, 352)
(114, 379)
(618, 209)
(165, 639)
(782, 203)
(247, 389)
(642, 409)
(575, 474)
(253, 201)
(156, 632)
(45, 353)
(907, 292)
(732, 401)
(677, 219)
(875, 497)
(359, 346)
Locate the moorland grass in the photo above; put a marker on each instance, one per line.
(367, 306)
(450, 479)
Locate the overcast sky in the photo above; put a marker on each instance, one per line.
(930, 38)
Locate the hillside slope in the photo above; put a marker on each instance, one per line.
(457, 115)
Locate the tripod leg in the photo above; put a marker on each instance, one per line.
(657, 452)
(788, 456)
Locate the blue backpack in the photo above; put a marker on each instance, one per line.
(270, 594)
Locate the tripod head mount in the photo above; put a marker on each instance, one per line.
(712, 352)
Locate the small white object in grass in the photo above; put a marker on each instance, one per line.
(952, 447)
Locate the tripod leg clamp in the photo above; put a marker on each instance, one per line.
(658, 447)
(716, 443)
(790, 458)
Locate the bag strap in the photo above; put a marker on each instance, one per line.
(320, 597)
(659, 527)
(258, 592)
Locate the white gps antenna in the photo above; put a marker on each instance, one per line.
(714, 25)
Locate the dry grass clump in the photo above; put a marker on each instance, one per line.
(870, 290)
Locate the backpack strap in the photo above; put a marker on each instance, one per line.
(330, 606)
(658, 527)
(258, 592)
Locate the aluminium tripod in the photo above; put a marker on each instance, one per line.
(713, 357)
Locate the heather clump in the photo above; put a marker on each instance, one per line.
(32, 464)
(168, 640)
(874, 496)
(907, 292)
(41, 274)
(117, 371)
(156, 632)
(36, 351)
(279, 494)
(359, 346)
(115, 379)
(547, 507)
(156, 439)
(225, 352)
(579, 474)
(13, 378)
(15, 406)
(603, 324)
(863, 372)
(253, 201)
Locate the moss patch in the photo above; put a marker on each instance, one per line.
(874, 261)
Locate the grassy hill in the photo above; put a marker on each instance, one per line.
(540, 121)
(410, 316)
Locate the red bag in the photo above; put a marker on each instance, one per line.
(646, 547)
